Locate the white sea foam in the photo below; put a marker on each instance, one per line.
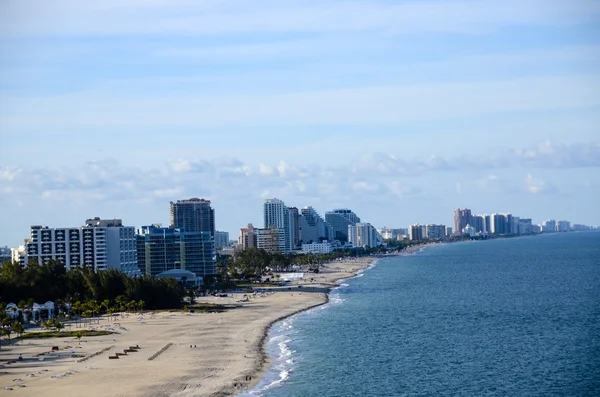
(282, 363)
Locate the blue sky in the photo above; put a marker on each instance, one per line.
(399, 110)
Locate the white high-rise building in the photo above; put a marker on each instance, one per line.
(277, 215)
(363, 235)
(549, 226)
(100, 244)
(313, 228)
(221, 239)
(563, 226)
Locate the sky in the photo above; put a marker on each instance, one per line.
(399, 110)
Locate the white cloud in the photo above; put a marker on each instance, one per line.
(537, 186)
(9, 174)
(264, 169)
(169, 193)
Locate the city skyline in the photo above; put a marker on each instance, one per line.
(284, 207)
(402, 111)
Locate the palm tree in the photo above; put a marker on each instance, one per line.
(120, 301)
(4, 332)
(58, 325)
(18, 328)
(105, 305)
(131, 305)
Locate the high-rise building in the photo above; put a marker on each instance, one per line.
(525, 226)
(271, 239)
(462, 218)
(193, 215)
(339, 220)
(221, 239)
(416, 232)
(499, 224)
(295, 221)
(478, 223)
(487, 223)
(100, 245)
(563, 226)
(160, 249)
(313, 228)
(277, 215)
(435, 232)
(549, 226)
(363, 235)
(248, 237)
(509, 223)
(448, 231)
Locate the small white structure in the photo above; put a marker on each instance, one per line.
(38, 311)
(317, 248)
(291, 276)
(182, 276)
(12, 311)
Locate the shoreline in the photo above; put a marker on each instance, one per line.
(263, 367)
(265, 360)
(210, 354)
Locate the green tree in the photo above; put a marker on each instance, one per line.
(18, 328)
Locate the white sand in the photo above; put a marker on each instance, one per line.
(229, 347)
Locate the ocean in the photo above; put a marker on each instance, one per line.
(504, 317)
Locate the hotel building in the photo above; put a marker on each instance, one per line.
(100, 245)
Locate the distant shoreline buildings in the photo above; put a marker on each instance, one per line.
(191, 242)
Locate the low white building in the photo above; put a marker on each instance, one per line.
(182, 276)
(317, 248)
(469, 230)
(39, 311)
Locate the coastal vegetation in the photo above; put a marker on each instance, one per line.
(96, 292)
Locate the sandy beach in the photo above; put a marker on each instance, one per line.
(180, 354)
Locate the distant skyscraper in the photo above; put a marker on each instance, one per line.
(339, 220)
(478, 223)
(295, 220)
(549, 226)
(193, 215)
(363, 235)
(277, 215)
(416, 232)
(462, 218)
(525, 226)
(498, 224)
(313, 228)
(563, 226)
(435, 232)
(221, 239)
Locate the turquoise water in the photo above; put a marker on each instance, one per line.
(507, 317)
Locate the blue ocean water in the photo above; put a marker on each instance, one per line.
(506, 317)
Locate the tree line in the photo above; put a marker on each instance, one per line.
(51, 281)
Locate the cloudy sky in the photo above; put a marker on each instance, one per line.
(399, 110)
